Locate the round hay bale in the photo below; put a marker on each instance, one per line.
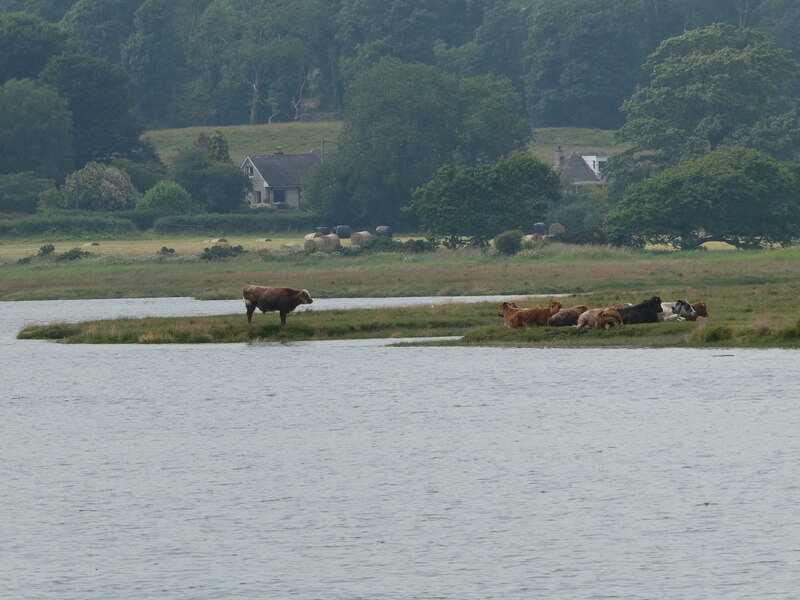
(91, 244)
(315, 244)
(323, 230)
(292, 246)
(332, 240)
(343, 231)
(383, 230)
(311, 236)
(359, 238)
(219, 241)
(531, 237)
(556, 228)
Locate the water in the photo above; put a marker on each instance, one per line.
(360, 470)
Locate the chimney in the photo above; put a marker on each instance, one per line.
(279, 150)
(558, 157)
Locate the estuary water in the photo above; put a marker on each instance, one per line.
(358, 470)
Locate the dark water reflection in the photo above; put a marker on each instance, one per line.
(359, 470)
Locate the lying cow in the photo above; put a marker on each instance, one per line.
(680, 310)
(700, 310)
(600, 318)
(519, 318)
(266, 299)
(644, 312)
(567, 316)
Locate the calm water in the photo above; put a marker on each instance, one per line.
(357, 470)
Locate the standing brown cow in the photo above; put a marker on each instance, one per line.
(267, 299)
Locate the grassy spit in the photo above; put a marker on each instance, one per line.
(746, 316)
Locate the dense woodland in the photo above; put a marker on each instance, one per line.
(420, 86)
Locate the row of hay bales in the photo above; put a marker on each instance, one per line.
(319, 241)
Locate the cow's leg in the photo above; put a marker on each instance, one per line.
(283, 317)
(250, 309)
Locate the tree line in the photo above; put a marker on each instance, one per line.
(434, 135)
(222, 62)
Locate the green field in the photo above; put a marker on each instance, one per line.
(299, 138)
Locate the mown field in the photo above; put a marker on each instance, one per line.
(751, 295)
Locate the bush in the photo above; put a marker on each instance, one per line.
(167, 196)
(508, 243)
(73, 254)
(582, 236)
(46, 250)
(222, 252)
(65, 225)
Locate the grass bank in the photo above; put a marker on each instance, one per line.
(550, 269)
(740, 316)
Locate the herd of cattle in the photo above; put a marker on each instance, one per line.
(284, 300)
(652, 310)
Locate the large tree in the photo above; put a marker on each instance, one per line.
(38, 135)
(403, 122)
(476, 203)
(154, 59)
(742, 197)
(100, 101)
(98, 27)
(708, 88)
(27, 43)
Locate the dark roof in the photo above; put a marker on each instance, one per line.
(285, 170)
(575, 170)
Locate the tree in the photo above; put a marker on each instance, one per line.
(19, 192)
(37, 130)
(167, 196)
(98, 187)
(26, 44)
(98, 27)
(742, 197)
(216, 186)
(49, 10)
(98, 96)
(403, 122)
(709, 88)
(259, 49)
(155, 60)
(477, 203)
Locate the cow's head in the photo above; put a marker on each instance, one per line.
(305, 298)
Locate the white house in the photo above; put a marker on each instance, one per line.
(581, 168)
(278, 178)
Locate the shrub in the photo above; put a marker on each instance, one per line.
(46, 250)
(221, 252)
(73, 254)
(508, 243)
(65, 225)
(167, 196)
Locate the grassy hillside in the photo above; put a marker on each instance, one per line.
(298, 138)
(294, 138)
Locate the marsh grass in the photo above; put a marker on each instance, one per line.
(746, 316)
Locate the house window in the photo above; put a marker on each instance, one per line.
(258, 197)
(248, 169)
(278, 196)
